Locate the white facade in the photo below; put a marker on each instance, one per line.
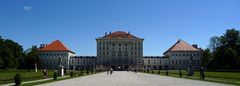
(50, 59)
(123, 52)
(182, 60)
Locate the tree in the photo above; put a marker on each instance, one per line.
(226, 49)
(207, 58)
(1, 62)
(231, 38)
(32, 57)
(16, 49)
(215, 42)
(7, 57)
(10, 53)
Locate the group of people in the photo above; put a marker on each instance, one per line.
(109, 71)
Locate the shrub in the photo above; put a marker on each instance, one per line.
(17, 79)
(71, 74)
(55, 75)
(87, 72)
(81, 73)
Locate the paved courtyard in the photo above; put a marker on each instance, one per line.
(123, 78)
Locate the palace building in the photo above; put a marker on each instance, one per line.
(50, 53)
(121, 51)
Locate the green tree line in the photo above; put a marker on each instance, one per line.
(12, 55)
(223, 51)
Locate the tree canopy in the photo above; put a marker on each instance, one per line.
(226, 50)
(10, 53)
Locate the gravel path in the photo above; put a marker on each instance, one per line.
(123, 78)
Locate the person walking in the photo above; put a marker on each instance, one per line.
(202, 74)
(111, 71)
(107, 71)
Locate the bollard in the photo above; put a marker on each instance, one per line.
(180, 74)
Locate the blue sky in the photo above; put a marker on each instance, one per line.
(78, 22)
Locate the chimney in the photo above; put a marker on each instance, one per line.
(195, 46)
(105, 33)
(43, 45)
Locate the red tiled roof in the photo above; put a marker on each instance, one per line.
(119, 34)
(55, 46)
(181, 45)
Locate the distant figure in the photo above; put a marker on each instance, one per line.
(180, 73)
(107, 71)
(202, 74)
(111, 71)
(45, 72)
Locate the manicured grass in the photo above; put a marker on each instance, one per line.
(76, 74)
(6, 76)
(219, 77)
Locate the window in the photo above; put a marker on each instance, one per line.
(119, 44)
(148, 61)
(125, 44)
(113, 44)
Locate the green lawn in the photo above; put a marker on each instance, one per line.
(219, 77)
(76, 74)
(6, 76)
